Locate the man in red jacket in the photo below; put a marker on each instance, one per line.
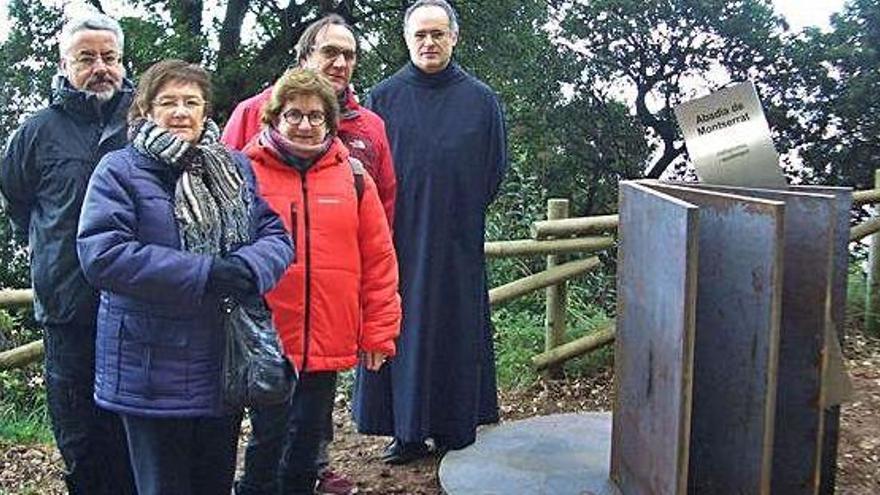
(328, 46)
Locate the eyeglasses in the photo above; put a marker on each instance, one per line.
(294, 117)
(329, 52)
(437, 35)
(190, 104)
(87, 59)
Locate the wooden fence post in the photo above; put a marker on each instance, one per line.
(556, 294)
(872, 294)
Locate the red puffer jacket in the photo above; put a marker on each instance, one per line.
(339, 296)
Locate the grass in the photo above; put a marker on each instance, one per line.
(519, 336)
(856, 290)
(23, 415)
(25, 427)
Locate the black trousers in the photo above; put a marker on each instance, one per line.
(286, 440)
(183, 456)
(91, 440)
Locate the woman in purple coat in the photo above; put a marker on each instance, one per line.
(170, 226)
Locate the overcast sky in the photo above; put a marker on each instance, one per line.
(799, 13)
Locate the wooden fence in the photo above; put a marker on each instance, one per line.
(552, 237)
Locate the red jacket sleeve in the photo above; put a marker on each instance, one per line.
(386, 181)
(243, 124)
(379, 277)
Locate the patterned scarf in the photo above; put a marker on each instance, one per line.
(299, 156)
(211, 203)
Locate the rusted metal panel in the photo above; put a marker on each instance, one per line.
(810, 221)
(739, 293)
(844, 202)
(844, 199)
(657, 269)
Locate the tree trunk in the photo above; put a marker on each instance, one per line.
(230, 31)
(191, 16)
(666, 129)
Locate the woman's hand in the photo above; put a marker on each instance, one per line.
(230, 276)
(373, 360)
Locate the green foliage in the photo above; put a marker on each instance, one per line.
(519, 336)
(28, 58)
(23, 414)
(586, 316)
(660, 49)
(843, 143)
(586, 160)
(572, 156)
(14, 272)
(856, 291)
(817, 88)
(17, 327)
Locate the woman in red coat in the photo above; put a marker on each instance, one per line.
(338, 300)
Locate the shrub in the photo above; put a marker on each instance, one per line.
(23, 414)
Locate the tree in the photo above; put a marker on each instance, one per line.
(27, 63)
(663, 50)
(574, 146)
(517, 58)
(28, 59)
(843, 145)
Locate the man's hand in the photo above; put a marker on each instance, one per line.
(373, 360)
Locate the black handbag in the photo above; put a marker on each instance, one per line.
(256, 372)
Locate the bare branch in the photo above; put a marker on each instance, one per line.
(97, 5)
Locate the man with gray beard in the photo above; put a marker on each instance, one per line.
(43, 178)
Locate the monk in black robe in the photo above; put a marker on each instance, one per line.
(448, 142)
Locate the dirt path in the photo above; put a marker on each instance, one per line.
(858, 456)
(36, 469)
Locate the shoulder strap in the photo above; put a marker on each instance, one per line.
(358, 170)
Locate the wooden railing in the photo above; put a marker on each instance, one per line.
(868, 227)
(552, 237)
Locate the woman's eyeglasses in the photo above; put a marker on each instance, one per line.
(168, 103)
(294, 117)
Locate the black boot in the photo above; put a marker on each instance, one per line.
(399, 452)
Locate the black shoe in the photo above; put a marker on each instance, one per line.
(398, 452)
(443, 444)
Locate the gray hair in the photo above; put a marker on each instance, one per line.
(443, 4)
(89, 21)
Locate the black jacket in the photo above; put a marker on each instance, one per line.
(43, 178)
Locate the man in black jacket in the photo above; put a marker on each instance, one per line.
(43, 178)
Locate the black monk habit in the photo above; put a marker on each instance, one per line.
(448, 142)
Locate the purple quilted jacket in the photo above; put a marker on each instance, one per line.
(159, 340)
